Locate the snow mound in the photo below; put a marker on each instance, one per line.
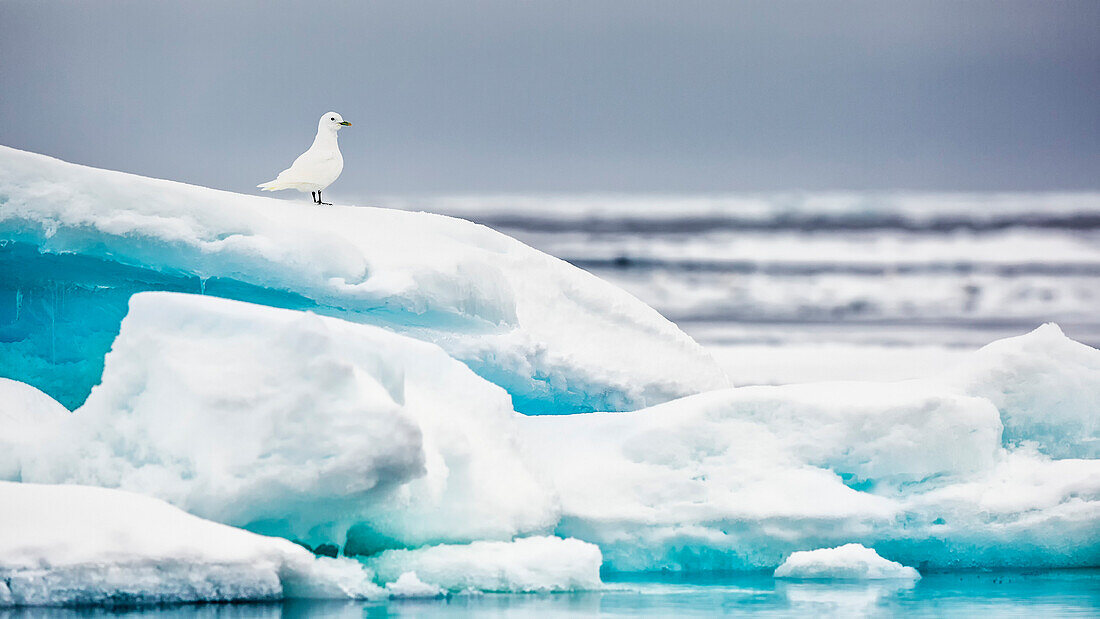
(1046, 387)
(526, 565)
(409, 586)
(28, 417)
(737, 479)
(83, 240)
(309, 427)
(63, 545)
(850, 561)
(298, 425)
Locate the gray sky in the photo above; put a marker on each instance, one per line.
(565, 96)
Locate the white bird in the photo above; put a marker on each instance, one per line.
(318, 167)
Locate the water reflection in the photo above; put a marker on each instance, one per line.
(1060, 593)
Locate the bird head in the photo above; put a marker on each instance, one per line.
(334, 121)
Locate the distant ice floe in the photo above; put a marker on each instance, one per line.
(83, 240)
(850, 561)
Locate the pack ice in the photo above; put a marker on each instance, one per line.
(390, 429)
(78, 242)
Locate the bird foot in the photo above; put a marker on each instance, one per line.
(325, 203)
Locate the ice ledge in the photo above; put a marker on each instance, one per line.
(83, 240)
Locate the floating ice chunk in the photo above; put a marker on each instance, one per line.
(740, 478)
(28, 418)
(850, 561)
(556, 338)
(84, 545)
(1046, 386)
(298, 425)
(530, 564)
(409, 586)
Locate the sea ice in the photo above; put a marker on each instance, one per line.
(299, 425)
(530, 564)
(740, 478)
(1046, 387)
(408, 585)
(850, 561)
(83, 240)
(28, 418)
(81, 545)
(390, 440)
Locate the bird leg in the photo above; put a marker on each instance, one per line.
(320, 202)
(314, 194)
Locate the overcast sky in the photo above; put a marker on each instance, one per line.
(592, 95)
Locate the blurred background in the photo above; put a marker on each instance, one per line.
(814, 190)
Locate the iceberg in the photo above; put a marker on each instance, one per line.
(924, 470)
(850, 561)
(77, 242)
(298, 425)
(326, 431)
(370, 383)
(130, 549)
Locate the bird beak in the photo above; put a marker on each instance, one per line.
(346, 123)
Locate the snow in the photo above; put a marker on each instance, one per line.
(27, 417)
(526, 565)
(126, 548)
(556, 338)
(1046, 386)
(408, 585)
(356, 376)
(298, 425)
(384, 445)
(740, 478)
(850, 561)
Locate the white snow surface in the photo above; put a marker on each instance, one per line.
(526, 565)
(1046, 387)
(850, 561)
(302, 425)
(408, 585)
(739, 478)
(557, 338)
(298, 425)
(62, 545)
(27, 418)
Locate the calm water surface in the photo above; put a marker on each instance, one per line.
(1061, 593)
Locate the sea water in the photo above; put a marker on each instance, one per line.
(800, 287)
(1053, 593)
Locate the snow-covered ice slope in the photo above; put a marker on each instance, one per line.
(299, 425)
(306, 426)
(78, 241)
(1046, 386)
(28, 418)
(82, 545)
(926, 472)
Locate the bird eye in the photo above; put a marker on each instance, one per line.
(332, 119)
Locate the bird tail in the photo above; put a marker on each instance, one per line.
(270, 186)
